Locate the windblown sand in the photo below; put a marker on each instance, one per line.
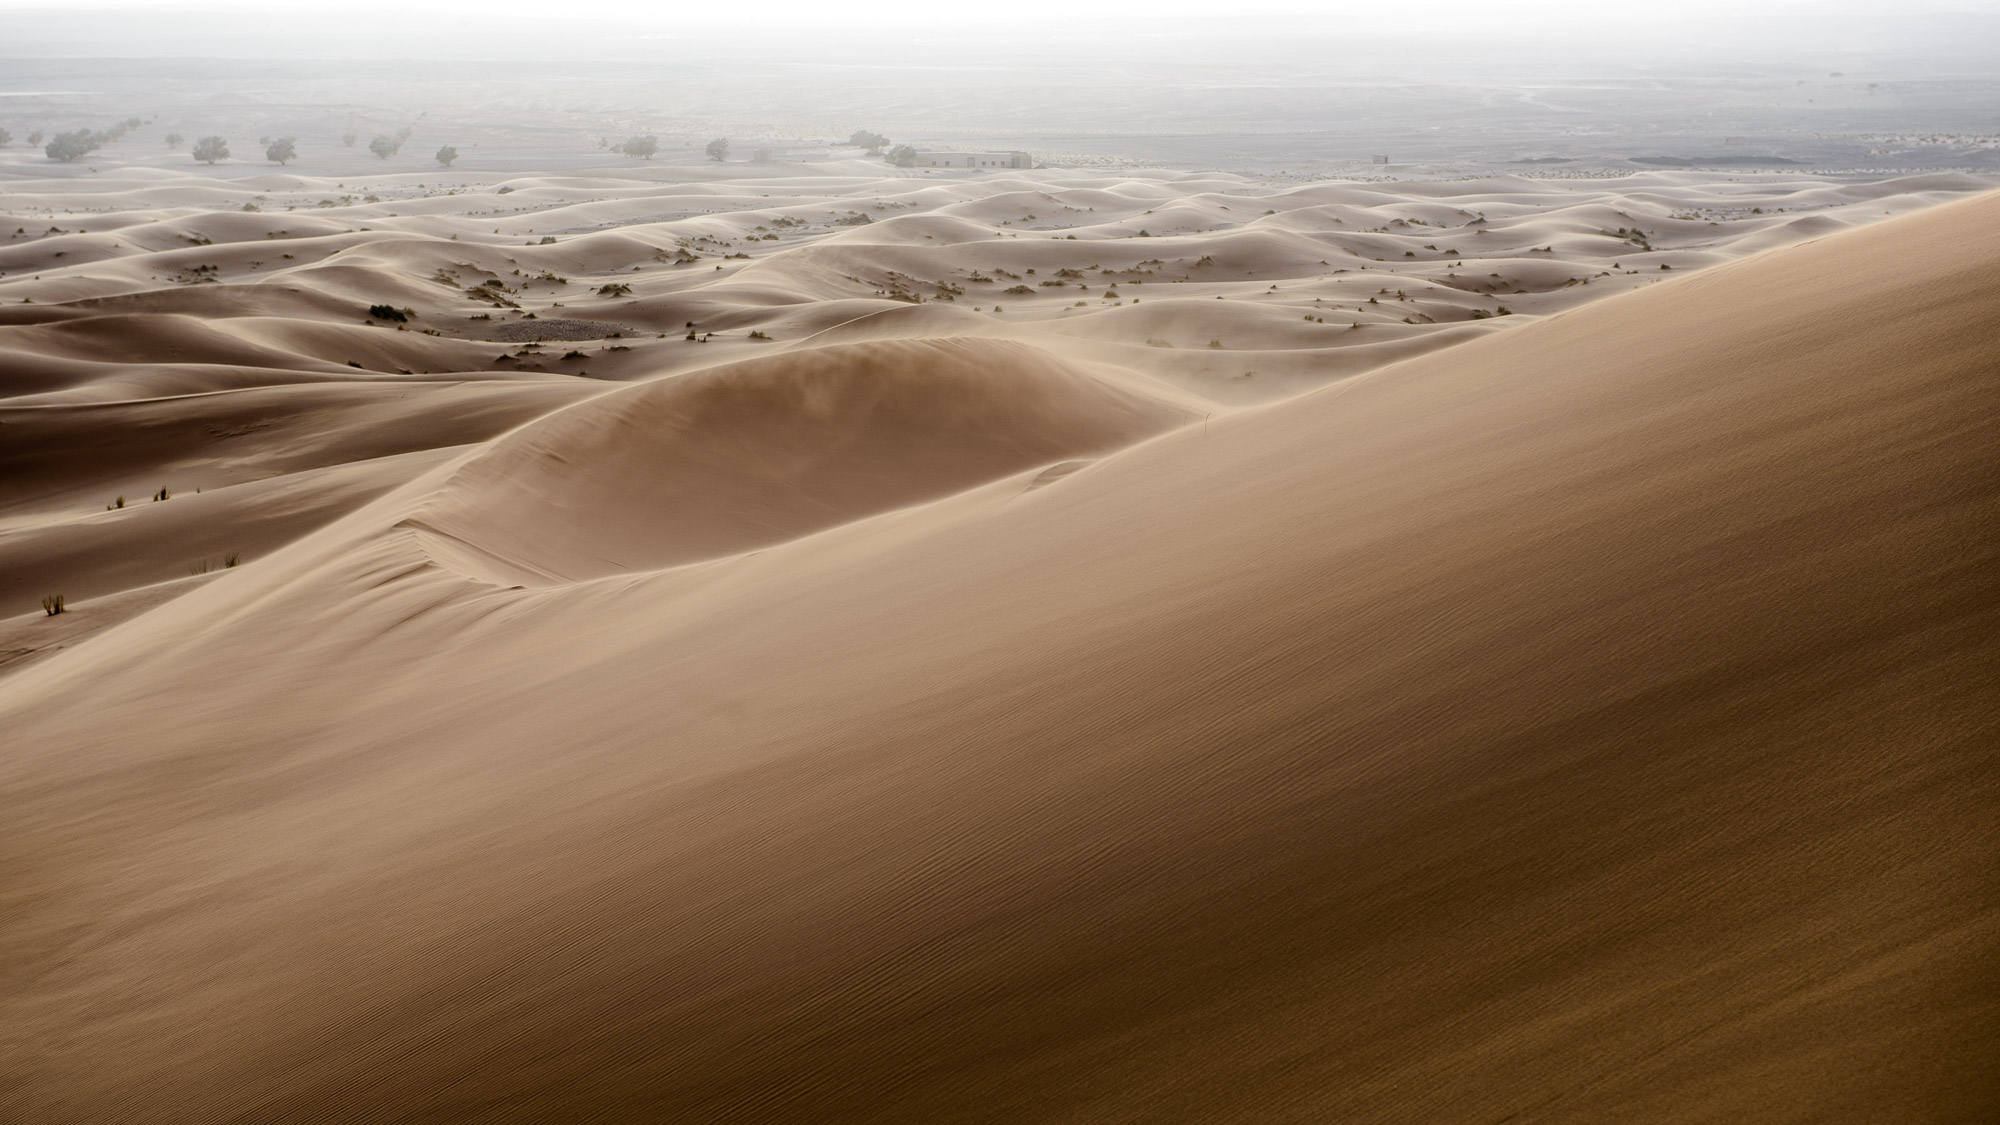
(1139, 649)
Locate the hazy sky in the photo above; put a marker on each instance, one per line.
(1593, 32)
(1512, 16)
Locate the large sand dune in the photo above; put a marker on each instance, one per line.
(936, 714)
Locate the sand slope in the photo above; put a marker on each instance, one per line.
(1591, 722)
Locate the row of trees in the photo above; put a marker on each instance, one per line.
(76, 144)
(648, 146)
(79, 143)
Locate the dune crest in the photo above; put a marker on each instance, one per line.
(754, 453)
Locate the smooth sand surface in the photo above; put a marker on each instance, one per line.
(933, 715)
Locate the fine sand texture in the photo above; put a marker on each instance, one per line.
(933, 714)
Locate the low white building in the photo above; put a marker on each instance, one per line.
(974, 160)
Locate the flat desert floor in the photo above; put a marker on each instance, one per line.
(832, 643)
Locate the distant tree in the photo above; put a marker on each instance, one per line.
(281, 151)
(903, 156)
(384, 145)
(6, 138)
(446, 155)
(210, 149)
(718, 149)
(873, 142)
(348, 139)
(642, 147)
(72, 146)
(175, 140)
(35, 137)
(133, 123)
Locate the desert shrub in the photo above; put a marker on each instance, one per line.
(642, 147)
(232, 560)
(1156, 342)
(387, 312)
(210, 149)
(52, 604)
(718, 149)
(755, 335)
(445, 155)
(1214, 343)
(163, 494)
(903, 156)
(547, 240)
(615, 289)
(175, 140)
(73, 145)
(385, 146)
(282, 151)
(35, 137)
(873, 142)
(6, 138)
(1019, 291)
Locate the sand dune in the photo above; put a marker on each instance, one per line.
(935, 714)
(756, 453)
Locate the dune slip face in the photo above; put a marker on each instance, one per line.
(942, 713)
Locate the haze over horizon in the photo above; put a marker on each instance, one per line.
(1962, 36)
